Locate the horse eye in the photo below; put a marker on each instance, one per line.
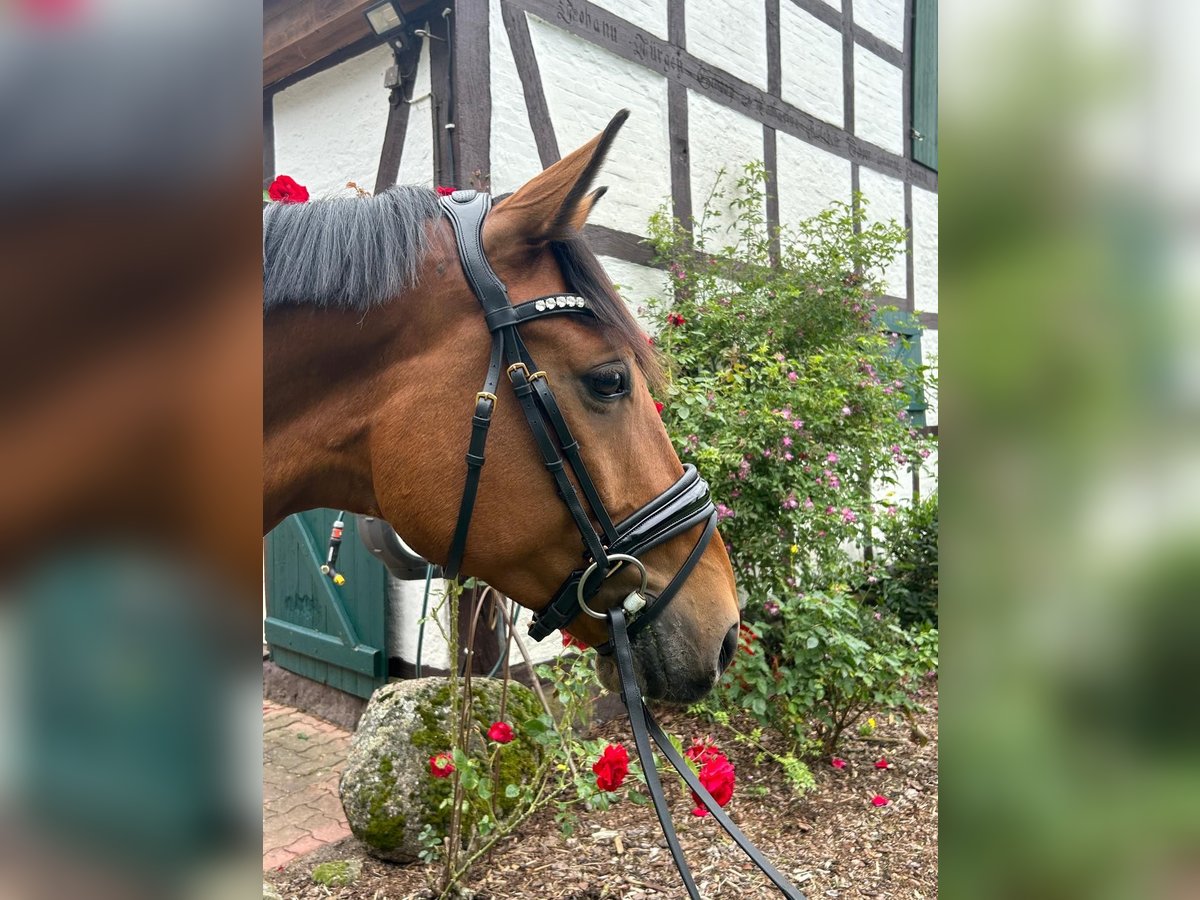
(607, 383)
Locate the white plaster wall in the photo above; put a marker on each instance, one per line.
(885, 203)
(329, 127)
(636, 284)
(878, 101)
(809, 179)
(929, 357)
(883, 18)
(416, 156)
(585, 86)
(406, 598)
(811, 64)
(648, 14)
(719, 137)
(925, 250)
(730, 34)
(515, 157)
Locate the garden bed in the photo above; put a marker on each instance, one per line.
(833, 841)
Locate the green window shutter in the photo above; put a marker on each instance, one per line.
(906, 334)
(925, 83)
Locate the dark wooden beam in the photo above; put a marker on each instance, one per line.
(471, 74)
(677, 123)
(299, 33)
(526, 62)
(397, 125)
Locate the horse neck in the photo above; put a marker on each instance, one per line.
(321, 373)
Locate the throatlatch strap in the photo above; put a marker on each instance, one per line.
(644, 729)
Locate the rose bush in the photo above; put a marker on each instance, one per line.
(787, 390)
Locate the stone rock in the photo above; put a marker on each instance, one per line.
(269, 892)
(387, 790)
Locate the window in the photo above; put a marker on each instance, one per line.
(924, 134)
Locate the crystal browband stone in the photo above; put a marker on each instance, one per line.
(563, 302)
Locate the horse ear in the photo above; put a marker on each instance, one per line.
(556, 203)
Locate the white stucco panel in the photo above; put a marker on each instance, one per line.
(329, 127)
(929, 357)
(636, 284)
(515, 157)
(585, 86)
(809, 179)
(885, 203)
(878, 101)
(648, 14)
(811, 64)
(883, 18)
(730, 34)
(925, 250)
(416, 156)
(719, 137)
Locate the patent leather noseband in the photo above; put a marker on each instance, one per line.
(610, 547)
(681, 507)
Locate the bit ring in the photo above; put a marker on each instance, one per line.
(619, 557)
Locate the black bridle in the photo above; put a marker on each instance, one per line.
(609, 548)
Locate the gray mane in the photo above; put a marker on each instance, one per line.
(347, 252)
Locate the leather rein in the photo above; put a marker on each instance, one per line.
(609, 549)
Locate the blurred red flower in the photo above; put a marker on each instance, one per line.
(838, 763)
(879, 800)
(500, 732)
(284, 189)
(882, 763)
(612, 767)
(444, 191)
(440, 766)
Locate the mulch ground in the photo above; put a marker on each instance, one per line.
(832, 842)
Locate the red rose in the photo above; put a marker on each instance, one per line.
(838, 763)
(569, 640)
(612, 767)
(879, 800)
(444, 191)
(500, 732)
(658, 407)
(882, 763)
(675, 319)
(717, 776)
(285, 189)
(440, 766)
(701, 752)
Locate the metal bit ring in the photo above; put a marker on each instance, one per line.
(618, 557)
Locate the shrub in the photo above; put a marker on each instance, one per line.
(786, 392)
(823, 662)
(783, 390)
(908, 584)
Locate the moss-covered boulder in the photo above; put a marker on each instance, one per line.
(387, 790)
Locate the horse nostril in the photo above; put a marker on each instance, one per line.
(728, 648)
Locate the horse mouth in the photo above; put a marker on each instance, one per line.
(658, 677)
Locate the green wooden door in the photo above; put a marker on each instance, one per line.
(331, 634)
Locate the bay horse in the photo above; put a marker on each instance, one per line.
(374, 346)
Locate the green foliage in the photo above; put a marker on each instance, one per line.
(908, 583)
(784, 390)
(823, 663)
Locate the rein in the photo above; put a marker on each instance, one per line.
(681, 507)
